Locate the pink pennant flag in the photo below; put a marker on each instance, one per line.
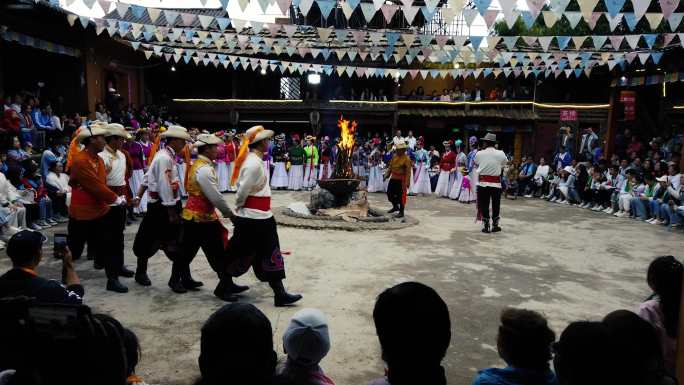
(668, 6)
(388, 11)
(490, 16)
(535, 7)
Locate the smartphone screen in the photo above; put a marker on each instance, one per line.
(59, 246)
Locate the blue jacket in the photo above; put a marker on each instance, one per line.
(515, 376)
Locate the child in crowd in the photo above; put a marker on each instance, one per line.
(511, 180)
(625, 194)
(524, 343)
(554, 181)
(661, 309)
(640, 204)
(306, 342)
(659, 196)
(59, 191)
(566, 186)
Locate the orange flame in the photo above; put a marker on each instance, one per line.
(347, 132)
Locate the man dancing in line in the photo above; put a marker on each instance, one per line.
(489, 163)
(399, 172)
(255, 241)
(91, 217)
(201, 225)
(160, 228)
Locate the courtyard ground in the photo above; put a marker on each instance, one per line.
(568, 263)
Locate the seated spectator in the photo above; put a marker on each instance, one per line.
(414, 329)
(306, 342)
(661, 310)
(585, 355)
(562, 159)
(510, 180)
(132, 349)
(26, 123)
(11, 124)
(638, 349)
(12, 211)
(59, 191)
(52, 154)
(445, 97)
(42, 118)
(539, 180)
(236, 347)
(524, 343)
(527, 171)
(101, 113)
(434, 96)
(17, 154)
(554, 182)
(660, 195)
(25, 249)
(35, 193)
(613, 184)
(566, 186)
(640, 203)
(625, 194)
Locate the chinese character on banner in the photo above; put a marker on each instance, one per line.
(568, 115)
(628, 99)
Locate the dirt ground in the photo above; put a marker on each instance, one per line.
(569, 263)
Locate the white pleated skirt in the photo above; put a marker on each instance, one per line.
(375, 179)
(455, 189)
(444, 182)
(421, 181)
(324, 170)
(222, 176)
(135, 182)
(309, 176)
(467, 191)
(295, 177)
(279, 178)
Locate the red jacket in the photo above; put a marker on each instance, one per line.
(448, 161)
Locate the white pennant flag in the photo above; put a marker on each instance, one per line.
(578, 40)
(550, 18)
(633, 40)
(587, 8)
(614, 22)
(640, 7)
(410, 12)
(304, 6)
(545, 41)
(122, 9)
(347, 10)
(511, 18)
(674, 20)
(643, 57)
(573, 18)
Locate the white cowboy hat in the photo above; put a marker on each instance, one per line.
(489, 137)
(662, 178)
(401, 146)
(205, 139)
(258, 133)
(569, 169)
(178, 132)
(115, 129)
(96, 128)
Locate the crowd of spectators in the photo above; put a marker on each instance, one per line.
(642, 182)
(34, 141)
(475, 94)
(412, 323)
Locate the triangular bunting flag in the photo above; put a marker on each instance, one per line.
(631, 20)
(325, 7)
(550, 18)
(469, 15)
(668, 6)
(598, 40)
(482, 5)
(410, 13)
(573, 18)
(614, 6)
(535, 7)
(674, 20)
(324, 33)
(388, 11)
(304, 6)
(490, 17)
(640, 7)
(511, 18)
(587, 8)
(654, 19)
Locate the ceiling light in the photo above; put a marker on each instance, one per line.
(313, 78)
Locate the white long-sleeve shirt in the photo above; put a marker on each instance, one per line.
(115, 164)
(252, 181)
(208, 182)
(542, 172)
(8, 193)
(162, 175)
(61, 182)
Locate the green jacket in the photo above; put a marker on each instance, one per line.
(297, 155)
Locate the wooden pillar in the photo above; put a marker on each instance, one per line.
(517, 146)
(610, 130)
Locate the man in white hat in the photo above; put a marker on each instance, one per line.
(160, 228)
(115, 165)
(489, 163)
(91, 217)
(255, 241)
(201, 225)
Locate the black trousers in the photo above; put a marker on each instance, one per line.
(602, 197)
(484, 196)
(255, 244)
(395, 194)
(104, 235)
(523, 184)
(209, 237)
(59, 204)
(156, 232)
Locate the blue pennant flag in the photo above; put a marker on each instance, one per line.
(326, 7)
(631, 20)
(352, 3)
(476, 41)
(189, 33)
(528, 19)
(614, 7)
(482, 6)
(186, 58)
(138, 11)
(223, 23)
(656, 56)
(147, 36)
(392, 38)
(487, 72)
(562, 41)
(429, 14)
(650, 38)
(326, 53)
(578, 72)
(562, 64)
(536, 72)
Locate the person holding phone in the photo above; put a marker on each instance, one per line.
(25, 249)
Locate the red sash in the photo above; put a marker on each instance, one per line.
(199, 204)
(490, 178)
(258, 203)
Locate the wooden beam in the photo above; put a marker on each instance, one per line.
(610, 130)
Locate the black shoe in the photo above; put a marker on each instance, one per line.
(177, 287)
(126, 272)
(143, 279)
(394, 209)
(485, 226)
(191, 284)
(285, 299)
(236, 289)
(114, 285)
(495, 226)
(225, 295)
(400, 215)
